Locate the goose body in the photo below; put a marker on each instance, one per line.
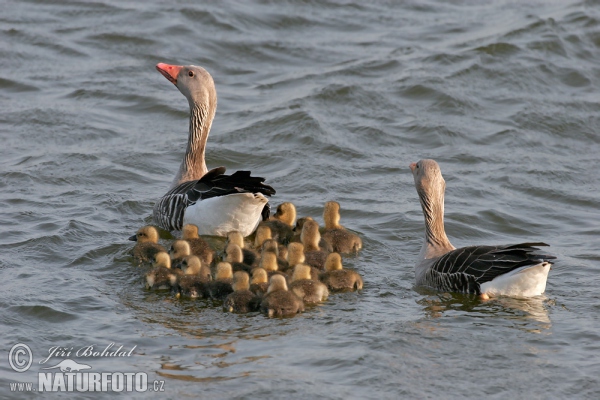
(216, 203)
(506, 270)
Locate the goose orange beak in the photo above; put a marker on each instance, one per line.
(169, 71)
(413, 166)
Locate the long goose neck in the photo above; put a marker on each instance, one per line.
(436, 242)
(193, 165)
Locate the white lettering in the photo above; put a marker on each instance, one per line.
(94, 380)
(117, 382)
(45, 381)
(59, 383)
(141, 382)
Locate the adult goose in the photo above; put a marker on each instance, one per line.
(488, 271)
(216, 203)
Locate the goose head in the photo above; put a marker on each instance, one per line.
(429, 181)
(194, 82)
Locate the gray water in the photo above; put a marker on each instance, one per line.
(328, 101)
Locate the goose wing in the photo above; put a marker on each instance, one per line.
(465, 269)
(169, 210)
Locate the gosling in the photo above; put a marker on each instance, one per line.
(147, 245)
(336, 278)
(198, 246)
(279, 302)
(340, 239)
(311, 292)
(242, 300)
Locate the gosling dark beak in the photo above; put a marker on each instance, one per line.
(133, 238)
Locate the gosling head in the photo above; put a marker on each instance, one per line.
(241, 281)
(224, 271)
(270, 245)
(259, 275)
(277, 282)
(301, 271)
(286, 213)
(310, 235)
(179, 249)
(263, 233)
(333, 262)
(190, 231)
(295, 253)
(235, 237)
(268, 261)
(234, 253)
(300, 223)
(161, 259)
(191, 265)
(146, 234)
(331, 215)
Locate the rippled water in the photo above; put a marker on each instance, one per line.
(328, 100)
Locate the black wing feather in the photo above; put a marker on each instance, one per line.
(465, 269)
(169, 210)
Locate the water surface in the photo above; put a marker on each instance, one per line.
(330, 101)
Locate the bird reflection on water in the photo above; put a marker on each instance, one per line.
(528, 314)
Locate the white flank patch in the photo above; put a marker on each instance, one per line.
(523, 282)
(219, 215)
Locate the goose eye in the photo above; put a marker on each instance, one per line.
(191, 73)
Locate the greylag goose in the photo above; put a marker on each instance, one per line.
(147, 245)
(509, 270)
(339, 238)
(279, 302)
(310, 291)
(216, 203)
(337, 278)
(242, 300)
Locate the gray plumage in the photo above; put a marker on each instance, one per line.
(443, 267)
